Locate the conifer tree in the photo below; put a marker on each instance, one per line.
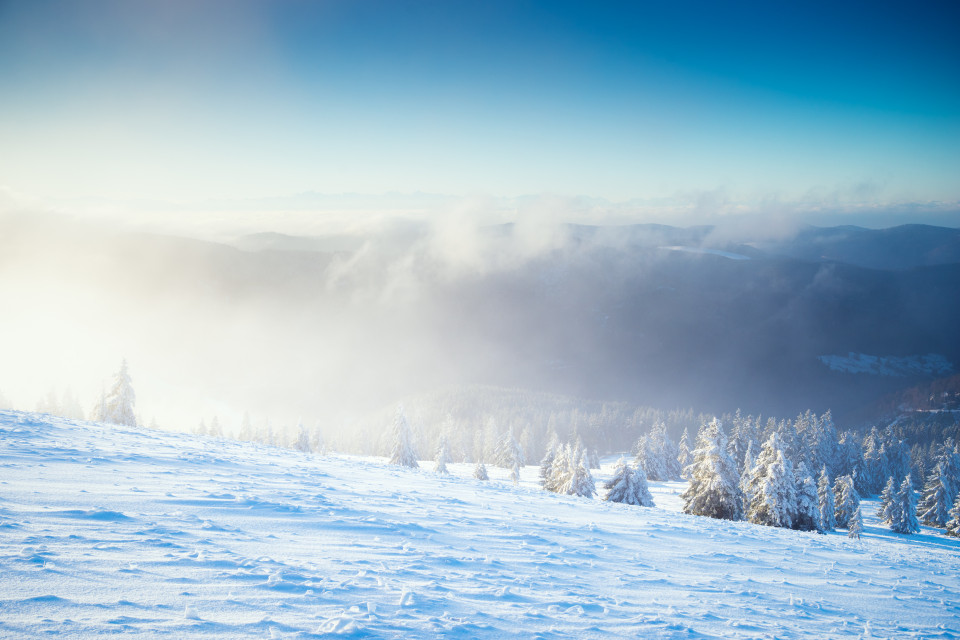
(580, 482)
(775, 499)
(99, 411)
(683, 454)
(848, 500)
(628, 485)
(561, 469)
(480, 471)
(713, 489)
(593, 459)
(317, 444)
(772, 486)
(855, 524)
(886, 501)
(934, 507)
(246, 427)
(807, 514)
(826, 502)
(117, 405)
(903, 512)
(302, 442)
(746, 475)
(443, 456)
(953, 524)
(510, 455)
(404, 453)
(546, 466)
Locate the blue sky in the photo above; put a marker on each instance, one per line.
(187, 101)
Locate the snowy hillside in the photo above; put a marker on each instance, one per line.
(149, 534)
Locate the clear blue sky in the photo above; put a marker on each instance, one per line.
(195, 100)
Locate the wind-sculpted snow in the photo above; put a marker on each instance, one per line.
(111, 530)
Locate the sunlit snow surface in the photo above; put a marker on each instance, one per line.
(112, 530)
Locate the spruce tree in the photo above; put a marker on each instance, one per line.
(886, 501)
(903, 513)
(629, 486)
(580, 482)
(848, 500)
(713, 489)
(216, 430)
(593, 459)
(117, 406)
(546, 466)
(807, 514)
(561, 469)
(246, 427)
(404, 453)
(316, 440)
(745, 477)
(826, 502)
(772, 486)
(683, 454)
(302, 442)
(953, 524)
(855, 524)
(934, 507)
(775, 500)
(480, 471)
(443, 456)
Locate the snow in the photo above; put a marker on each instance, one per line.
(929, 364)
(118, 530)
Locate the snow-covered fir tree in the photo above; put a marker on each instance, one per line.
(953, 524)
(580, 482)
(739, 438)
(593, 459)
(510, 455)
(561, 469)
(246, 427)
(116, 406)
(317, 445)
(404, 452)
(546, 466)
(714, 482)
(903, 509)
(848, 500)
(683, 453)
(302, 443)
(628, 485)
(886, 501)
(480, 471)
(772, 486)
(774, 501)
(855, 524)
(443, 456)
(658, 455)
(826, 501)
(216, 429)
(746, 474)
(807, 514)
(934, 506)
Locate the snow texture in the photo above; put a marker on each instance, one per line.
(118, 531)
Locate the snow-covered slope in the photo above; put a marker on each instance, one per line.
(114, 530)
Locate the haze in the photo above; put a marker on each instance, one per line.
(424, 163)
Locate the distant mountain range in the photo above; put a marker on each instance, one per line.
(658, 315)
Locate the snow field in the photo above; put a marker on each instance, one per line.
(149, 534)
